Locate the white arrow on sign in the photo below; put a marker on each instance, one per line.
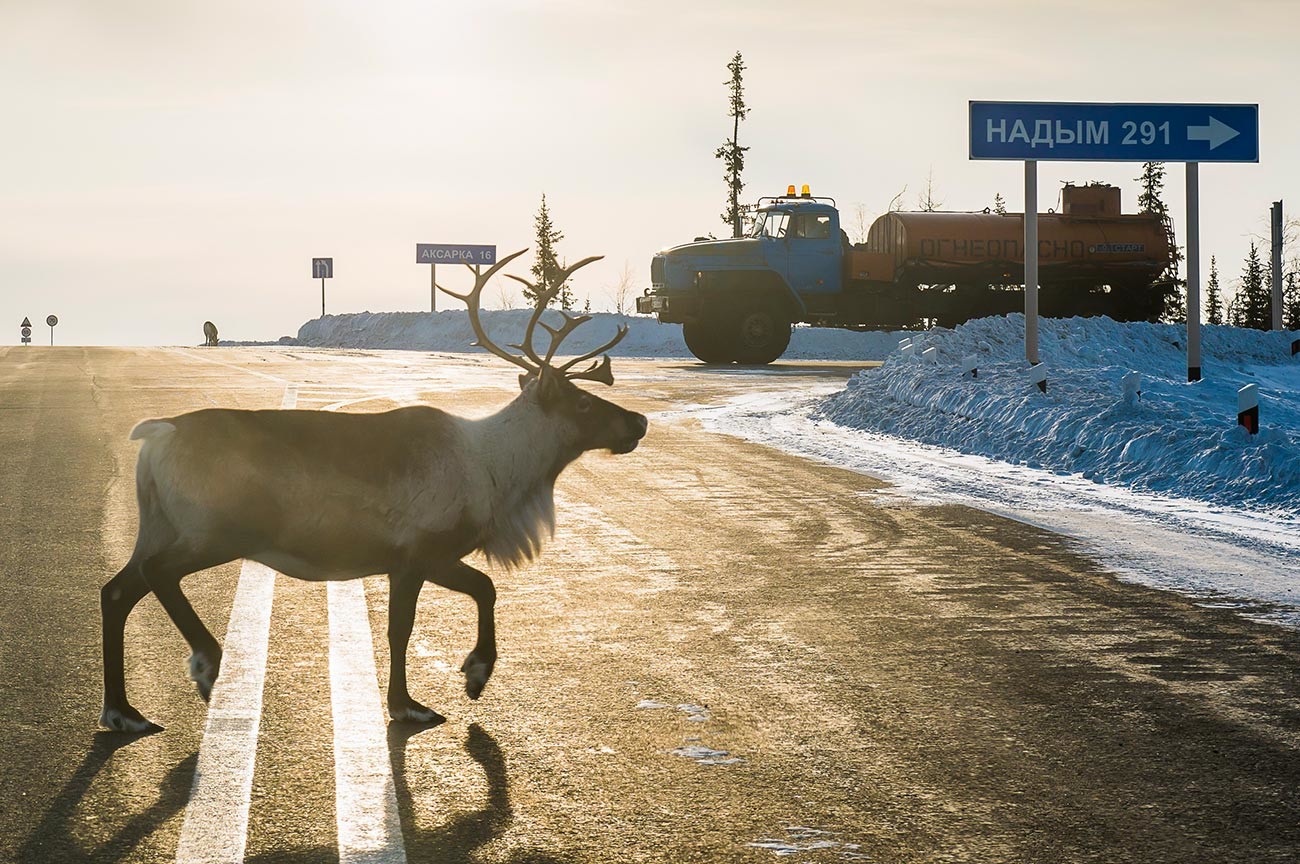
(1217, 132)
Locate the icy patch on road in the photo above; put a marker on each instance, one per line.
(695, 713)
(650, 704)
(702, 755)
(800, 839)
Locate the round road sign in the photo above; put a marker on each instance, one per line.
(52, 320)
(27, 331)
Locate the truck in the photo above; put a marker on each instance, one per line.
(738, 299)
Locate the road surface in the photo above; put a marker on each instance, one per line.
(725, 654)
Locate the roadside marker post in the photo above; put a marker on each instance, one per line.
(1114, 132)
(51, 320)
(434, 254)
(1248, 408)
(1132, 387)
(1038, 376)
(322, 269)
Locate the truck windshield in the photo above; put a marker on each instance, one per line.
(772, 225)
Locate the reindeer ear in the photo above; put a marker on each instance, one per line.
(524, 378)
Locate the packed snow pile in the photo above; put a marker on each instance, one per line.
(1176, 438)
(450, 331)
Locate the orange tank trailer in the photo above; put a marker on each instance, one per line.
(1090, 243)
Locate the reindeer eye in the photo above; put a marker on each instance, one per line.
(584, 405)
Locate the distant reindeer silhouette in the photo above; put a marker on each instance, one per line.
(209, 334)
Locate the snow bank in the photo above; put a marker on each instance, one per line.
(450, 331)
(1178, 438)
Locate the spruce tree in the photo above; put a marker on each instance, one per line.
(1153, 182)
(546, 268)
(731, 153)
(1213, 297)
(1291, 304)
(999, 204)
(1254, 295)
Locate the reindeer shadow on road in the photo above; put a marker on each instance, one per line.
(53, 839)
(458, 840)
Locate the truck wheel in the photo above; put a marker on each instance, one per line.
(706, 341)
(762, 335)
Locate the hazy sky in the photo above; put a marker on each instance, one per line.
(167, 162)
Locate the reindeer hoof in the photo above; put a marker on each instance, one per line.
(477, 672)
(203, 672)
(127, 720)
(414, 712)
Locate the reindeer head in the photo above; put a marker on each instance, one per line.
(595, 423)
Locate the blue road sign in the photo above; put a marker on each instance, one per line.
(1114, 132)
(322, 268)
(451, 253)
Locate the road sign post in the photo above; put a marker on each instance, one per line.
(1031, 261)
(322, 269)
(434, 254)
(1115, 132)
(52, 320)
(1276, 220)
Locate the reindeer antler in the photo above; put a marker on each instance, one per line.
(471, 301)
(600, 371)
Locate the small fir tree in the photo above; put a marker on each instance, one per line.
(999, 204)
(1213, 297)
(1291, 303)
(546, 268)
(1153, 183)
(731, 153)
(1150, 200)
(1254, 297)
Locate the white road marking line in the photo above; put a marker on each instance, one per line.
(370, 829)
(192, 355)
(216, 817)
(215, 830)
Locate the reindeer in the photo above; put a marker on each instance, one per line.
(331, 496)
(209, 334)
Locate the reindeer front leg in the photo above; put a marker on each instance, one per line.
(403, 591)
(459, 576)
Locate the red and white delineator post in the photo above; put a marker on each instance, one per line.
(1248, 408)
(1038, 376)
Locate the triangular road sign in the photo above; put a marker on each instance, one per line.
(27, 322)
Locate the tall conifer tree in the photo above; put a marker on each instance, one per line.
(731, 153)
(1253, 298)
(546, 267)
(1213, 296)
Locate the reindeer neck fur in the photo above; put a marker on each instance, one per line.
(523, 450)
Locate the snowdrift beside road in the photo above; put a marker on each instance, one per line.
(1178, 438)
(450, 331)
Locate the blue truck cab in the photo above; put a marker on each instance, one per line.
(737, 299)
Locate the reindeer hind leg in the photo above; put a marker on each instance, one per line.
(116, 599)
(163, 573)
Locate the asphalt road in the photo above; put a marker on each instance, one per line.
(865, 679)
